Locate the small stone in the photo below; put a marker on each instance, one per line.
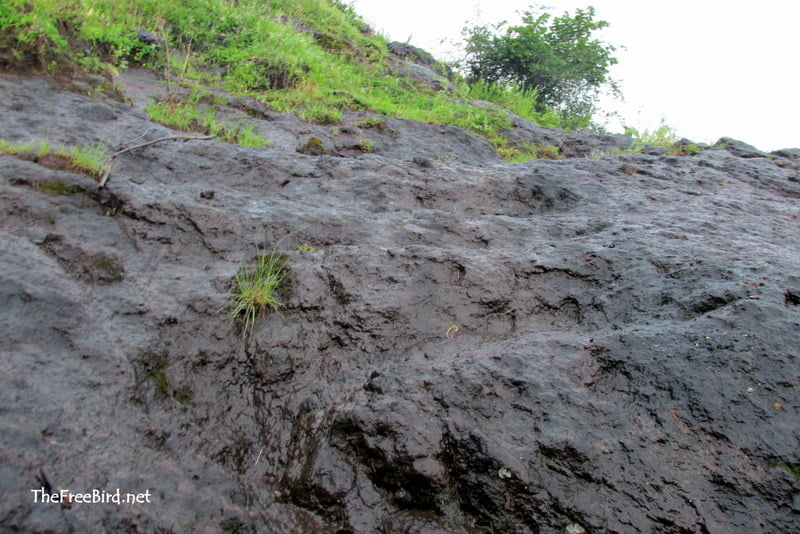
(149, 38)
(574, 528)
(423, 162)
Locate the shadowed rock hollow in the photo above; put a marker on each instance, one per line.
(580, 345)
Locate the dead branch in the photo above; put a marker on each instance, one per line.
(110, 165)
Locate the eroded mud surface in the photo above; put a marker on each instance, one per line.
(605, 344)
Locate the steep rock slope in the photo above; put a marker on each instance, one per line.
(598, 345)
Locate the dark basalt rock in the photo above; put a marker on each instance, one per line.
(580, 345)
(790, 153)
(739, 148)
(149, 38)
(412, 53)
(570, 144)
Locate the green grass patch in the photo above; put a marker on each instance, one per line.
(516, 153)
(58, 187)
(192, 115)
(366, 146)
(662, 137)
(162, 385)
(518, 101)
(158, 374)
(378, 123)
(256, 289)
(314, 57)
(87, 159)
(15, 149)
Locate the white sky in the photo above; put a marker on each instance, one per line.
(709, 68)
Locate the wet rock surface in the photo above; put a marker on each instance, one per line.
(598, 345)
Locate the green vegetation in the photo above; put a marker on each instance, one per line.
(378, 123)
(158, 374)
(196, 113)
(522, 102)
(15, 148)
(58, 187)
(256, 288)
(314, 57)
(312, 147)
(525, 152)
(791, 468)
(88, 159)
(555, 62)
(365, 145)
(663, 137)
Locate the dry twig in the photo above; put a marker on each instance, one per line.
(107, 173)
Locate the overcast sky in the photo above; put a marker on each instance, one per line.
(708, 68)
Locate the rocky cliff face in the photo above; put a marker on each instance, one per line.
(592, 344)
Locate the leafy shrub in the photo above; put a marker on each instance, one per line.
(663, 137)
(557, 61)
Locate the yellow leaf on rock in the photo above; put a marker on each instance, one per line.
(451, 332)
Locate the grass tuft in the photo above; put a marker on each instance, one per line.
(366, 146)
(88, 159)
(256, 289)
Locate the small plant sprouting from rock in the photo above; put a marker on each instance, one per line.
(664, 137)
(372, 122)
(159, 376)
(365, 145)
(312, 147)
(256, 288)
(57, 187)
(196, 113)
(88, 159)
(517, 153)
(158, 373)
(305, 247)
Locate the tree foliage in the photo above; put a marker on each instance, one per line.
(557, 58)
